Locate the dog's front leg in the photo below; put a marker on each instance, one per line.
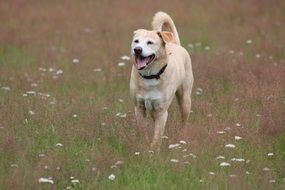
(140, 113)
(159, 125)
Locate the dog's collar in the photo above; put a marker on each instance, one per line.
(157, 76)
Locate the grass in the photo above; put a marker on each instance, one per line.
(40, 109)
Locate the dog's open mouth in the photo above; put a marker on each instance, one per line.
(142, 62)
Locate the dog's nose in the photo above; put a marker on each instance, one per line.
(138, 50)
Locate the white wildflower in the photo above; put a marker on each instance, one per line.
(51, 69)
(174, 160)
(31, 92)
(249, 41)
(59, 144)
(220, 132)
(272, 181)
(75, 60)
(258, 56)
(46, 180)
(191, 155)
(42, 69)
(233, 175)
(182, 142)
(230, 146)
(238, 160)
(220, 157)
(111, 177)
(270, 154)
(266, 169)
(137, 153)
(74, 181)
(238, 124)
(74, 115)
(122, 115)
(59, 72)
(119, 162)
(171, 146)
(212, 173)
(225, 164)
(121, 64)
(125, 58)
(31, 112)
(14, 165)
(238, 138)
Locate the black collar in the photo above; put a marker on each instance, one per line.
(157, 76)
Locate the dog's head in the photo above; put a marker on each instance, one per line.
(148, 46)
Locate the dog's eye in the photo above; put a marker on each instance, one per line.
(149, 43)
(136, 41)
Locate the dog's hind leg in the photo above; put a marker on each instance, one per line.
(183, 95)
(159, 126)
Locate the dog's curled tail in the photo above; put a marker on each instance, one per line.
(161, 19)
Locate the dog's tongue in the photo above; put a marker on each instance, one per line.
(142, 62)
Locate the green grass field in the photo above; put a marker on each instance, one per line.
(66, 113)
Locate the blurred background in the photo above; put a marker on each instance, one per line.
(65, 111)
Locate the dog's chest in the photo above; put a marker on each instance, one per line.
(150, 95)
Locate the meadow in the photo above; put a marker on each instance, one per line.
(67, 121)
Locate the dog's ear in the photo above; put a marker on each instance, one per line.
(165, 36)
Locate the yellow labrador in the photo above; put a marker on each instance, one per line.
(161, 69)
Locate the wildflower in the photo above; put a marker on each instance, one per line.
(122, 115)
(31, 112)
(230, 146)
(171, 146)
(59, 72)
(125, 58)
(74, 181)
(111, 177)
(212, 173)
(225, 164)
(249, 41)
(237, 159)
(220, 157)
(75, 60)
(121, 64)
(174, 160)
(272, 181)
(220, 132)
(46, 180)
(238, 138)
(270, 154)
(59, 144)
(137, 153)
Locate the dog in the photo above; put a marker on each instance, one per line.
(161, 69)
